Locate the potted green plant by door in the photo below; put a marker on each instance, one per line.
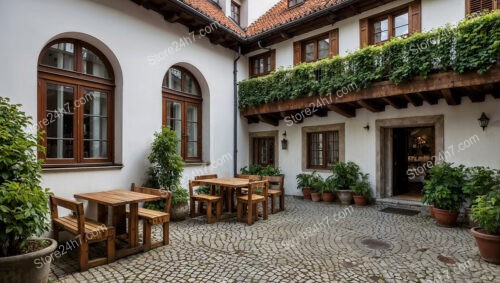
(344, 176)
(478, 181)
(362, 190)
(24, 209)
(317, 188)
(329, 190)
(443, 188)
(304, 183)
(166, 172)
(486, 212)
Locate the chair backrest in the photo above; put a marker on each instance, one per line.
(75, 206)
(204, 177)
(276, 182)
(194, 183)
(164, 194)
(252, 178)
(253, 186)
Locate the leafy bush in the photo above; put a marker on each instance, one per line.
(23, 202)
(318, 184)
(362, 187)
(472, 45)
(345, 175)
(330, 186)
(443, 186)
(256, 169)
(306, 180)
(486, 211)
(479, 180)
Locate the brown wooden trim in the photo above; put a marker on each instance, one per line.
(334, 42)
(272, 57)
(364, 38)
(415, 17)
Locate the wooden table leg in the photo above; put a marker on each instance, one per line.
(102, 213)
(133, 229)
(120, 219)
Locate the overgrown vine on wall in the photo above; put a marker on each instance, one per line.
(474, 44)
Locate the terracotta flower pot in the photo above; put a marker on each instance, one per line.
(315, 196)
(489, 245)
(328, 197)
(345, 196)
(360, 200)
(431, 210)
(470, 223)
(179, 212)
(30, 267)
(307, 193)
(445, 217)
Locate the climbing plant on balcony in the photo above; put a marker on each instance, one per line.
(472, 45)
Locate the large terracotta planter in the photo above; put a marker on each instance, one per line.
(345, 196)
(470, 223)
(360, 200)
(32, 267)
(489, 245)
(328, 197)
(431, 210)
(315, 196)
(307, 193)
(179, 212)
(444, 217)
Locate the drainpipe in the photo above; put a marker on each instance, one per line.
(235, 109)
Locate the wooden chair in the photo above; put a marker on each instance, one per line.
(276, 189)
(251, 178)
(87, 230)
(252, 199)
(153, 217)
(209, 200)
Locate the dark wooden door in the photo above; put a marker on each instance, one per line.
(400, 161)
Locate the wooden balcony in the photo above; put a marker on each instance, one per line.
(447, 85)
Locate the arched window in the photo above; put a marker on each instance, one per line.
(75, 104)
(182, 111)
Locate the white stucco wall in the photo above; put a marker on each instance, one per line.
(127, 34)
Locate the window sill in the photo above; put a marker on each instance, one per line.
(78, 168)
(196, 164)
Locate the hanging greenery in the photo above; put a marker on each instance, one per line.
(474, 44)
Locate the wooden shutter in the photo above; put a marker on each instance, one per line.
(496, 4)
(273, 60)
(297, 53)
(415, 14)
(334, 42)
(475, 6)
(364, 33)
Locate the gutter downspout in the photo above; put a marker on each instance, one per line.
(235, 109)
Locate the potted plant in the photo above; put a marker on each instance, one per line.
(329, 190)
(166, 172)
(317, 188)
(443, 188)
(486, 212)
(304, 183)
(345, 175)
(24, 209)
(478, 181)
(362, 190)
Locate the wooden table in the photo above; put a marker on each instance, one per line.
(118, 199)
(229, 183)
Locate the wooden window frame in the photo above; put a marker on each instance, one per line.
(79, 82)
(314, 40)
(495, 4)
(270, 154)
(325, 166)
(185, 99)
(299, 46)
(236, 16)
(272, 57)
(391, 22)
(306, 131)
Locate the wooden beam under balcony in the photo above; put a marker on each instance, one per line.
(448, 85)
(268, 119)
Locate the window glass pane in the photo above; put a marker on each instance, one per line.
(174, 79)
(190, 85)
(381, 30)
(94, 149)
(309, 52)
(59, 121)
(61, 56)
(332, 144)
(192, 128)
(316, 149)
(261, 65)
(93, 65)
(256, 67)
(94, 103)
(95, 123)
(269, 64)
(323, 48)
(174, 120)
(401, 25)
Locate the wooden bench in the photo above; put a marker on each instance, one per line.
(209, 200)
(153, 217)
(87, 230)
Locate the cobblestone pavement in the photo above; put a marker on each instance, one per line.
(309, 242)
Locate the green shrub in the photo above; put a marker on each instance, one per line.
(256, 169)
(345, 175)
(362, 187)
(486, 211)
(318, 184)
(472, 45)
(306, 180)
(443, 186)
(479, 180)
(23, 202)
